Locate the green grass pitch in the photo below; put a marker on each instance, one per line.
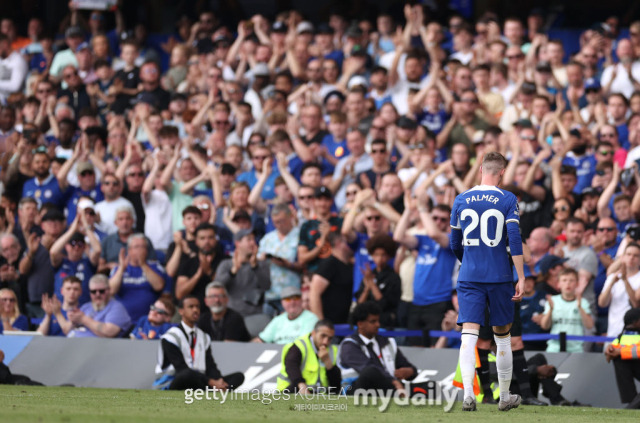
(54, 404)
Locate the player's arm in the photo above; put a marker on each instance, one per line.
(455, 241)
(515, 245)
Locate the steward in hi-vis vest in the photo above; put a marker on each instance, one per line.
(625, 353)
(309, 364)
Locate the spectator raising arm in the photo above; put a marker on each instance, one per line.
(353, 220)
(536, 191)
(255, 197)
(289, 179)
(605, 197)
(433, 232)
(167, 173)
(400, 234)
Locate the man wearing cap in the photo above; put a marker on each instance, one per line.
(313, 245)
(550, 266)
(35, 264)
(219, 321)
(73, 37)
(280, 248)
(253, 96)
(84, 56)
(87, 182)
(588, 210)
(324, 43)
(625, 353)
(290, 325)
(78, 261)
(245, 278)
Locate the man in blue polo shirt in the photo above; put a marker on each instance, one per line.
(43, 186)
(136, 281)
(259, 157)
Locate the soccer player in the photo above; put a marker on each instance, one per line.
(482, 219)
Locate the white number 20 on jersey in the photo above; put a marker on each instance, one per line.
(484, 224)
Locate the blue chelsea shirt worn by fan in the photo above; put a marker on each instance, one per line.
(484, 217)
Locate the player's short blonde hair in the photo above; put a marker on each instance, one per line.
(493, 163)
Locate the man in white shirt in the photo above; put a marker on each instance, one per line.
(625, 73)
(621, 289)
(13, 69)
(106, 209)
(184, 357)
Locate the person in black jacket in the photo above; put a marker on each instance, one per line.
(221, 322)
(376, 359)
(184, 358)
(381, 285)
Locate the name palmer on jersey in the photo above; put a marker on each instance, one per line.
(484, 197)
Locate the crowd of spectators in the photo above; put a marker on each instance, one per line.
(287, 167)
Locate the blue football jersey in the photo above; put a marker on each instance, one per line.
(482, 214)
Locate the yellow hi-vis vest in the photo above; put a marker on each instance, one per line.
(629, 345)
(314, 372)
(477, 388)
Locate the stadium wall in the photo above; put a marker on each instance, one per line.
(122, 363)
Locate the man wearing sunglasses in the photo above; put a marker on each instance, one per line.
(102, 317)
(157, 322)
(366, 219)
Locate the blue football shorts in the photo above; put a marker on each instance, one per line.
(474, 297)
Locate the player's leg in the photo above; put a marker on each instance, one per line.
(472, 301)
(484, 348)
(501, 311)
(520, 368)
